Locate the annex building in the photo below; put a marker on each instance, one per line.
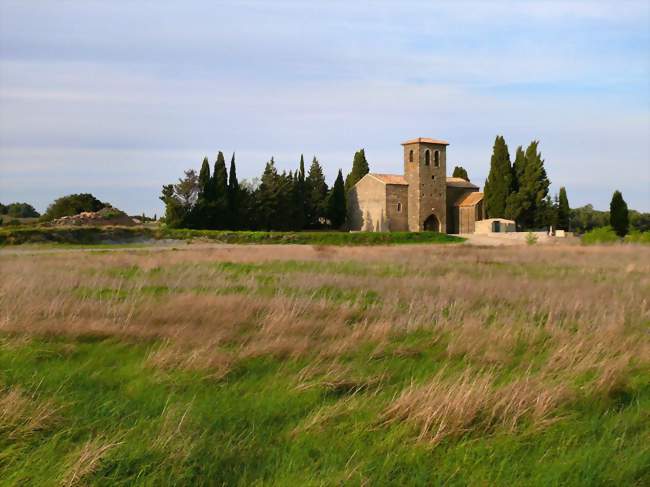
(424, 198)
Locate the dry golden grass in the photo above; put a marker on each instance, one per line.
(22, 414)
(87, 460)
(557, 314)
(473, 403)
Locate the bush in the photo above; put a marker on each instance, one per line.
(21, 210)
(638, 237)
(600, 235)
(531, 238)
(73, 205)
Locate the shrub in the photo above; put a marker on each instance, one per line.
(600, 235)
(531, 238)
(21, 210)
(638, 237)
(72, 205)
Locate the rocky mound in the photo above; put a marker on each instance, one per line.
(105, 216)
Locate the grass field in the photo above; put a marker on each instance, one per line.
(319, 365)
(83, 235)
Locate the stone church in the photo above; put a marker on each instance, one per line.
(424, 198)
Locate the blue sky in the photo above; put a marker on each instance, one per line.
(117, 98)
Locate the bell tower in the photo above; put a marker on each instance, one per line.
(425, 171)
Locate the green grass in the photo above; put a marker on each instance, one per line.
(101, 235)
(249, 428)
(267, 422)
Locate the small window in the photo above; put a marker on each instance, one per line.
(433, 178)
(399, 207)
(410, 156)
(436, 159)
(427, 158)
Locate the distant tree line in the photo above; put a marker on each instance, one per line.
(294, 200)
(19, 210)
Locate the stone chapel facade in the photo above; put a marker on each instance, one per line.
(424, 198)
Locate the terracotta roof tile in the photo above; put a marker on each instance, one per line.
(471, 199)
(460, 183)
(390, 178)
(425, 140)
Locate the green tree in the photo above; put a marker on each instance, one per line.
(268, 196)
(204, 177)
(586, 218)
(336, 205)
(316, 194)
(640, 221)
(460, 172)
(181, 201)
(618, 214)
(21, 210)
(299, 196)
(73, 204)
(219, 178)
(234, 209)
(528, 203)
(514, 201)
(499, 181)
(359, 169)
(174, 212)
(563, 211)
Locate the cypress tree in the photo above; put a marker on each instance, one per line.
(219, 178)
(619, 217)
(499, 181)
(514, 202)
(528, 204)
(359, 169)
(204, 177)
(213, 212)
(316, 192)
(233, 196)
(336, 205)
(267, 196)
(460, 172)
(299, 195)
(563, 211)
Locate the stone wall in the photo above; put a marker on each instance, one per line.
(367, 206)
(398, 219)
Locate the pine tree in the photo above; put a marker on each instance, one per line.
(204, 177)
(460, 172)
(336, 205)
(316, 194)
(619, 217)
(359, 169)
(499, 181)
(563, 211)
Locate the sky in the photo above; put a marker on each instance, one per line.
(118, 98)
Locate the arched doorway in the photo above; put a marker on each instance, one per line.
(432, 224)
